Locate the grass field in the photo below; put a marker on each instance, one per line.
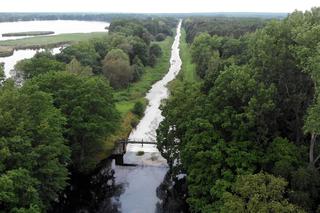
(50, 41)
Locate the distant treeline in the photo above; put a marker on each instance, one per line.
(8, 17)
(221, 26)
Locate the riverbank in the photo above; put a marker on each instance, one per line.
(45, 41)
(6, 51)
(29, 33)
(188, 69)
(126, 98)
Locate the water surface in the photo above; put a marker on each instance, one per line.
(58, 26)
(10, 61)
(140, 183)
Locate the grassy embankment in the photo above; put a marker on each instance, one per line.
(188, 69)
(7, 47)
(126, 98)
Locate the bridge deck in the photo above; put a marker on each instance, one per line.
(139, 142)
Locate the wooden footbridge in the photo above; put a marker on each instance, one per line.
(121, 148)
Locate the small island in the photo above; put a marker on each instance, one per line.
(29, 33)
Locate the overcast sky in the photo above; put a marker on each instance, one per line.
(151, 6)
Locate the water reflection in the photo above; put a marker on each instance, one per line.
(91, 193)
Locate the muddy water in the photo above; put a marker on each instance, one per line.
(140, 182)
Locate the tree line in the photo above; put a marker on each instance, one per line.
(59, 120)
(246, 134)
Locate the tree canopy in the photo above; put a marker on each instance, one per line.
(246, 134)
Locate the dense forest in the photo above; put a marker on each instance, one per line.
(245, 134)
(59, 120)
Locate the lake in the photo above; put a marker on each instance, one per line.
(58, 26)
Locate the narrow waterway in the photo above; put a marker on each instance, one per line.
(129, 189)
(140, 182)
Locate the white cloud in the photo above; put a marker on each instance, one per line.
(156, 5)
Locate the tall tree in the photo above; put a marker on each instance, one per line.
(116, 67)
(34, 155)
(88, 105)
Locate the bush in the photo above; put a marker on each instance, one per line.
(138, 109)
(160, 37)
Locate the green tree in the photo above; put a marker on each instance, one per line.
(41, 63)
(18, 190)
(85, 53)
(75, 67)
(138, 109)
(88, 105)
(116, 67)
(2, 75)
(34, 155)
(138, 69)
(260, 192)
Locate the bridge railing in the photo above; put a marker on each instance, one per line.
(138, 141)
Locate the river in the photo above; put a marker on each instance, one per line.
(140, 182)
(129, 189)
(58, 26)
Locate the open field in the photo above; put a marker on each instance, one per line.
(48, 41)
(30, 33)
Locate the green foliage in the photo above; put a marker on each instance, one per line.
(33, 156)
(138, 109)
(84, 52)
(75, 67)
(88, 106)
(155, 49)
(282, 157)
(138, 69)
(254, 109)
(305, 185)
(160, 37)
(258, 193)
(41, 63)
(2, 75)
(117, 69)
(221, 26)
